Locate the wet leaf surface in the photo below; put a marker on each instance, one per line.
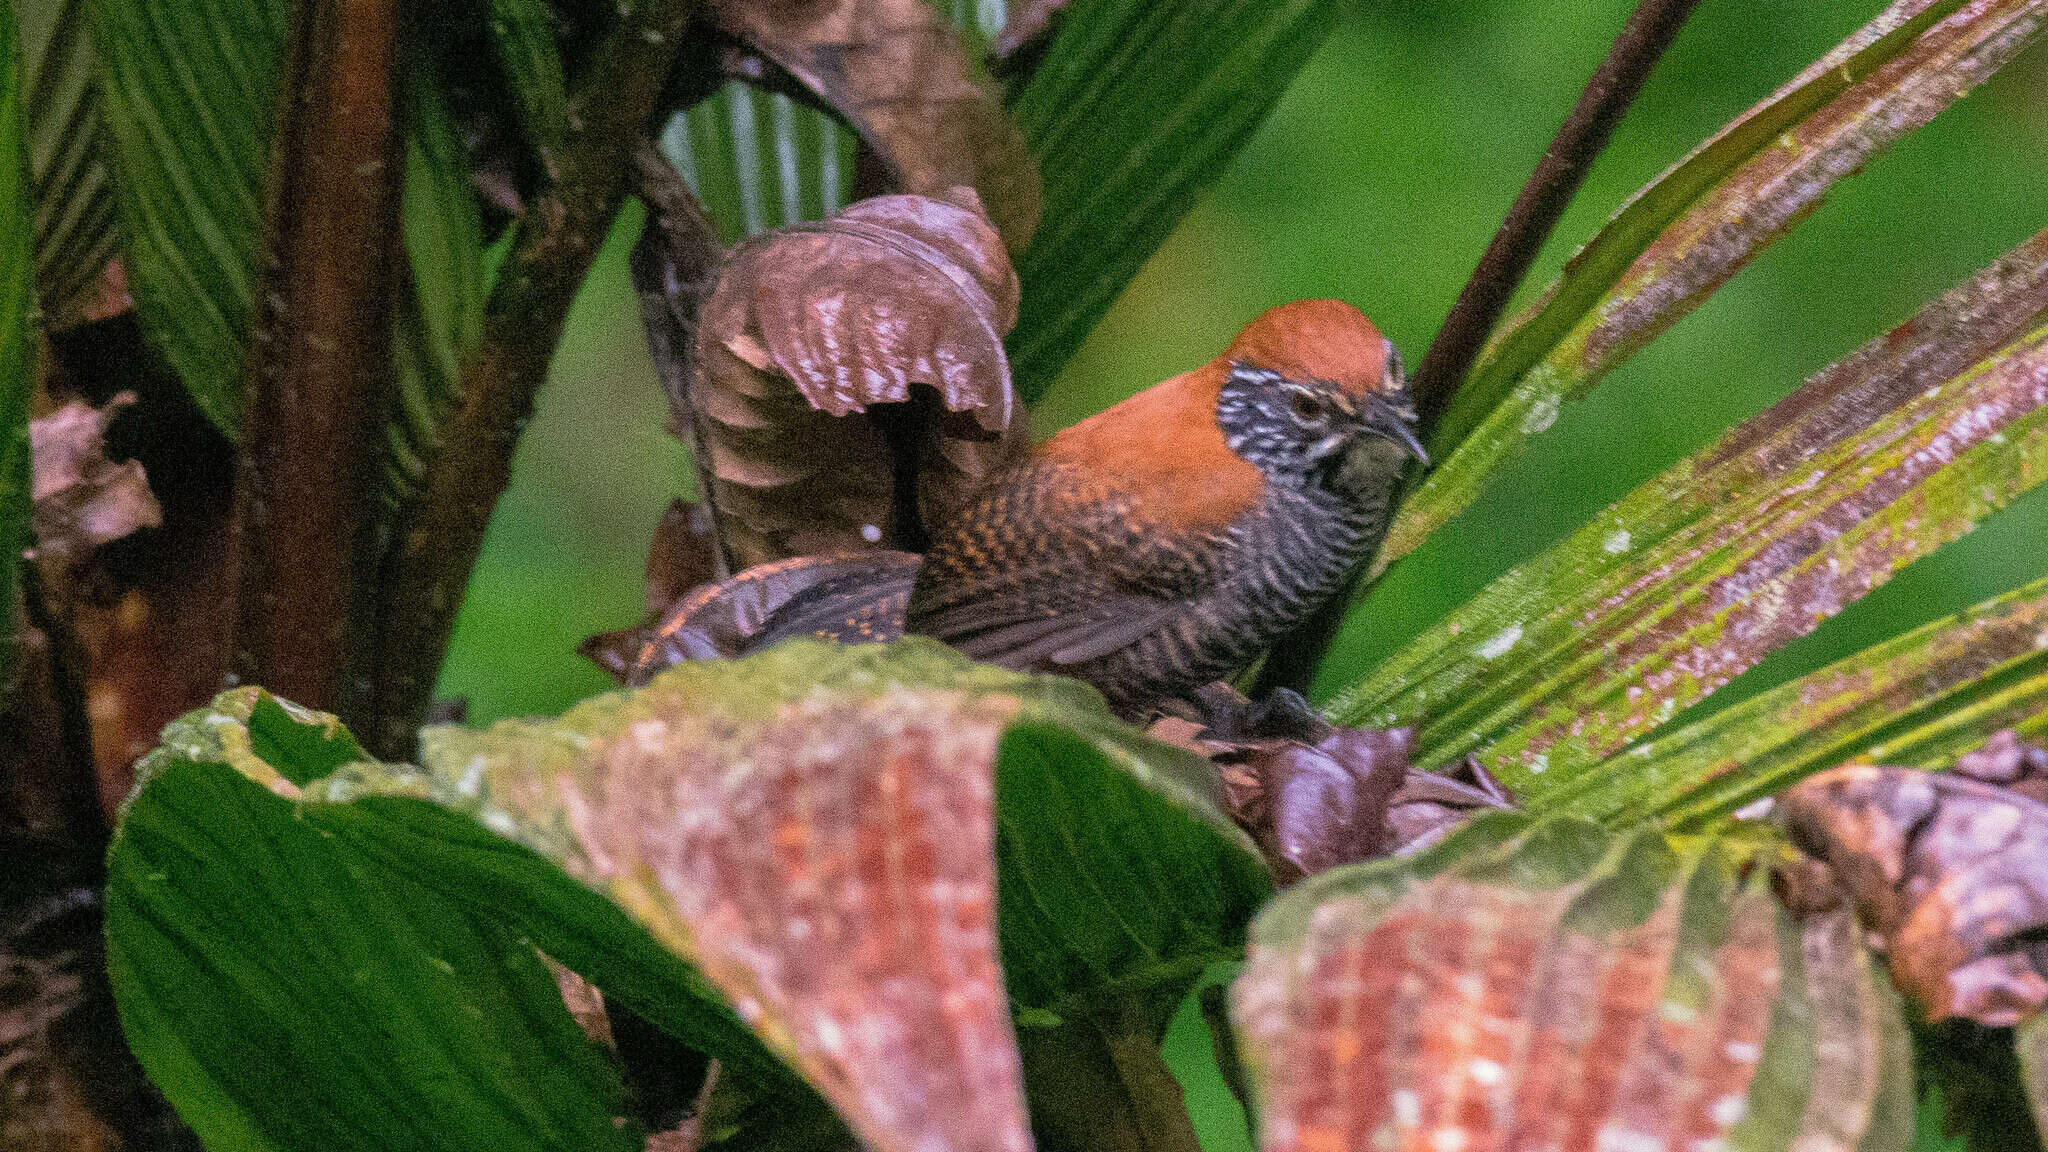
(902, 77)
(1950, 870)
(810, 330)
(1877, 460)
(1684, 235)
(1547, 985)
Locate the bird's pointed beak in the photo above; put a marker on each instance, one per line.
(1400, 433)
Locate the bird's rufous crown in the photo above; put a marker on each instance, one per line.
(1325, 340)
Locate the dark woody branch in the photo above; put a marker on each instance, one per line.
(441, 532)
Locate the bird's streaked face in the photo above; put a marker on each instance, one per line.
(1308, 431)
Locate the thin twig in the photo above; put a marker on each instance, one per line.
(1579, 141)
(1650, 29)
(319, 365)
(443, 529)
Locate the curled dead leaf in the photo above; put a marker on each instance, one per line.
(900, 75)
(82, 499)
(850, 597)
(1314, 795)
(1562, 989)
(1950, 871)
(806, 355)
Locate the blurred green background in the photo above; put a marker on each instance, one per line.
(1378, 179)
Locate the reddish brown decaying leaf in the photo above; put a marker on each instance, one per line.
(1468, 1018)
(682, 556)
(1952, 872)
(82, 499)
(834, 869)
(901, 76)
(850, 597)
(811, 327)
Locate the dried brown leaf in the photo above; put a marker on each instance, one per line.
(682, 556)
(809, 330)
(1951, 872)
(902, 77)
(1314, 795)
(82, 499)
(851, 597)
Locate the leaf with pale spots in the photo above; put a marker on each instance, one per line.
(816, 837)
(1547, 985)
(1924, 699)
(1570, 659)
(810, 331)
(1688, 232)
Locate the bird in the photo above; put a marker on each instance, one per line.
(1167, 541)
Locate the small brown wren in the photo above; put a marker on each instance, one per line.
(1167, 541)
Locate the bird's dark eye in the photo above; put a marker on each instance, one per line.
(1306, 407)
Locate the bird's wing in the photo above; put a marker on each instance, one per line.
(1076, 635)
(1095, 575)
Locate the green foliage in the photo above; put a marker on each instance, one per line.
(386, 915)
(1686, 582)
(189, 95)
(17, 348)
(1137, 108)
(1684, 235)
(74, 200)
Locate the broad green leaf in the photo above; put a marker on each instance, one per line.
(74, 201)
(793, 828)
(523, 35)
(288, 990)
(1548, 984)
(1135, 109)
(17, 349)
(189, 96)
(1684, 235)
(442, 311)
(1689, 580)
(1921, 699)
(759, 160)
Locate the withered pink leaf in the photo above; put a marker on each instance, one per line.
(1548, 986)
(809, 330)
(901, 76)
(1952, 872)
(82, 499)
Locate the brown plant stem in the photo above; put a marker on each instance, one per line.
(1650, 29)
(1579, 141)
(319, 361)
(442, 530)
